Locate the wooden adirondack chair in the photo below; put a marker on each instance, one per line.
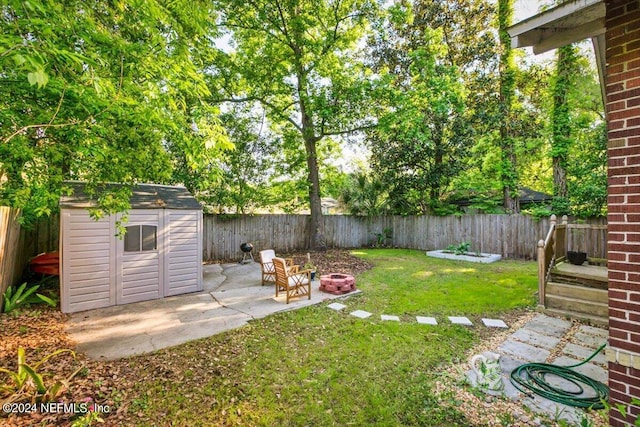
(294, 282)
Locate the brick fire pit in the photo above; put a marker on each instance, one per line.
(337, 283)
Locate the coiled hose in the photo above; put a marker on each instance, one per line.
(531, 377)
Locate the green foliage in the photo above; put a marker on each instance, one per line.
(460, 249)
(507, 141)
(16, 297)
(365, 194)
(27, 383)
(423, 136)
(538, 211)
(88, 419)
(560, 206)
(382, 238)
(105, 92)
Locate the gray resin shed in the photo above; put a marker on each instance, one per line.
(159, 256)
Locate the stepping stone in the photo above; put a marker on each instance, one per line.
(494, 323)
(460, 321)
(536, 339)
(549, 325)
(583, 353)
(386, 317)
(426, 320)
(589, 369)
(524, 351)
(589, 340)
(361, 314)
(336, 306)
(598, 332)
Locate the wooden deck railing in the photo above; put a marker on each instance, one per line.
(551, 250)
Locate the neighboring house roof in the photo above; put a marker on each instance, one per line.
(526, 196)
(143, 196)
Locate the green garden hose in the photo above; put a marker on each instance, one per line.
(531, 377)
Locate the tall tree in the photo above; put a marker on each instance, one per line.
(421, 141)
(297, 59)
(508, 167)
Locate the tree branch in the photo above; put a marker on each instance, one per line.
(350, 130)
(274, 109)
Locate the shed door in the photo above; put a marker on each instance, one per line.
(139, 258)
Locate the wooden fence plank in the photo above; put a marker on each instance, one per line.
(10, 255)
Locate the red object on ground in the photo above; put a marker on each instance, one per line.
(337, 283)
(47, 263)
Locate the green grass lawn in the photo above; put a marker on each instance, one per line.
(319, 367)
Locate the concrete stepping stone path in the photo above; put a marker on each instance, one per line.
(423, 320)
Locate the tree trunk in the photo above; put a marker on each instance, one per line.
(317, 224)
(560, 119)
(317, 239)
(508, 171)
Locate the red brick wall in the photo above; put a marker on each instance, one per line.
(623, 113)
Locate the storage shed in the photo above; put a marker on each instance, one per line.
(160, 254)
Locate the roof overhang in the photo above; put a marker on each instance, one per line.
(567, 23)
(570, 22)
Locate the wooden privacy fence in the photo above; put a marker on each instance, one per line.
(10, 261)
(512, 236)
(18, 245)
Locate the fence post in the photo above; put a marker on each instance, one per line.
(542, 272)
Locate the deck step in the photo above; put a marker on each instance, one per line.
(577, 292)
(577, 305)
(590, 318)
(585, 275)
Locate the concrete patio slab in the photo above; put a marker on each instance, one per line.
(232, 297)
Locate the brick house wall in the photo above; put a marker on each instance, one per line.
(623, 114)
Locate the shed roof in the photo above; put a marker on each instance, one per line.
(143, 196)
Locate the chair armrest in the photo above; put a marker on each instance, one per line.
(300, 273)
(294, 268)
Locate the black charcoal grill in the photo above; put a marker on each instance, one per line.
(247, 256)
